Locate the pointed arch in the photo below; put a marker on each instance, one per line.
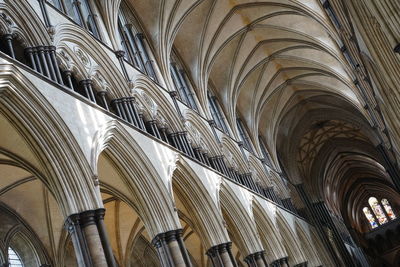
(196, 126)
(240, 222)
(206, 214)
(144, 87)
(45, 142)
(91, 56)
(268, 231)
(18, 12)
(150, 196)
(258, 171)
(308, 248)
(233, 154)
(289, 240)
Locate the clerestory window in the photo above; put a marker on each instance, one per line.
(79, 11)
(216, 112)
(133, 42)
(182, 83)
(244, 136)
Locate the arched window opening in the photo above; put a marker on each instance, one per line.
(388, 209)
(370, 217)
(13, 47)
(14, 259)
(216, 112)
(133, 42)
(181, 82)
(79, 11)
(87, 89)
(244, 137)
(377, 209)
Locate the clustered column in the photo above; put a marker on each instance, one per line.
(171, 249)
(126, 109)
(303, 264)
(221, 255)
(89, 237)
(282, 262)
(43, 60)
(256, 260)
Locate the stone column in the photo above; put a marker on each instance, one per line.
(171, 249)
(256, 260)
(174, 96)
(221, 255)
(303, 264)
(8, 38)
(29, 54)
(68, 75)
(52, 51)
(99, 217)
(120, 56)
(213, 125)
(86, 239)
(43, 60)
(282, 262)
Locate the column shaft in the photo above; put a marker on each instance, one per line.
(171, 249)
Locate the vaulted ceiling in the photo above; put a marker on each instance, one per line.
(278, 64)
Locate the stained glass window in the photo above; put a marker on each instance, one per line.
(14, 259)
(377, 209)
(388, 209)
(370, 217)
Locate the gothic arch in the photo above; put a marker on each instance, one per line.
(309, 250)
(268, 231)
(240, 223)
(161, 106)
(206, 214)
(126, 236)
(258, 171)
(292, 246)
(150, 196)
(233, 154)
(91, 57)
(200, 132)
(18, 12)
(22, 237)
(46, 143)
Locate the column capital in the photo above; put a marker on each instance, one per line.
(254, 257)
(211, 122)
(99, 214)
(87, 218)
(8, 36)
(303, 264)
(173, 94)
(120, 54)
(83, 219)
(167, 237)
